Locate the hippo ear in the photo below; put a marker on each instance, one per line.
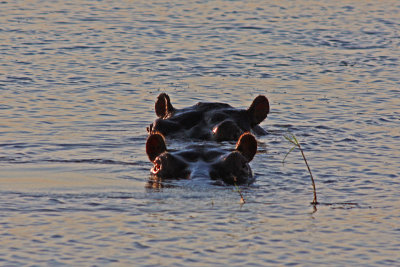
(163, 105)
(155, 145)
(258, 110)
(247, 145)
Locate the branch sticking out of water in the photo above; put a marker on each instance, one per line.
(242, 200)
(292, 139)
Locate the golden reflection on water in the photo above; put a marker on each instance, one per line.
(80, 80)
(76, 233)
(38, 178)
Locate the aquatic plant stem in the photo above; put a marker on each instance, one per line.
(292, 139)
(242, 200)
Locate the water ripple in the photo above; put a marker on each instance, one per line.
(78, 82)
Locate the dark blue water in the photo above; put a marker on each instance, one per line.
(78, 81)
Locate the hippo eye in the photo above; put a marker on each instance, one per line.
(157, 166)
(168, 166)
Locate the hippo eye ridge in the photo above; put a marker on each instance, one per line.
(157, 166)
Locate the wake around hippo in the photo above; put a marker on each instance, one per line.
(199, 161)
(208, 121)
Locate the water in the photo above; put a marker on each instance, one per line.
(78, 82)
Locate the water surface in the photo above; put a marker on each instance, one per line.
(78, 82)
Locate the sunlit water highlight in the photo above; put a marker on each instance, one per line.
(78, 82)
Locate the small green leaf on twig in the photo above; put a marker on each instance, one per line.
(283, 161)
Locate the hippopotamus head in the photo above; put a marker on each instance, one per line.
(209, 121)
(196, 161)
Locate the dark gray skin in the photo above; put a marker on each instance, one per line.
(203, 162)
(208, 121)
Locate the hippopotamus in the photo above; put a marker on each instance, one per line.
(203, 161)
(208, 121)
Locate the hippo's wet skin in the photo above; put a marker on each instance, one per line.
(198, 161)
(208, 121)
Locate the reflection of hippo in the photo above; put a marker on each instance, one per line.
(209, 121)
(203, 162)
